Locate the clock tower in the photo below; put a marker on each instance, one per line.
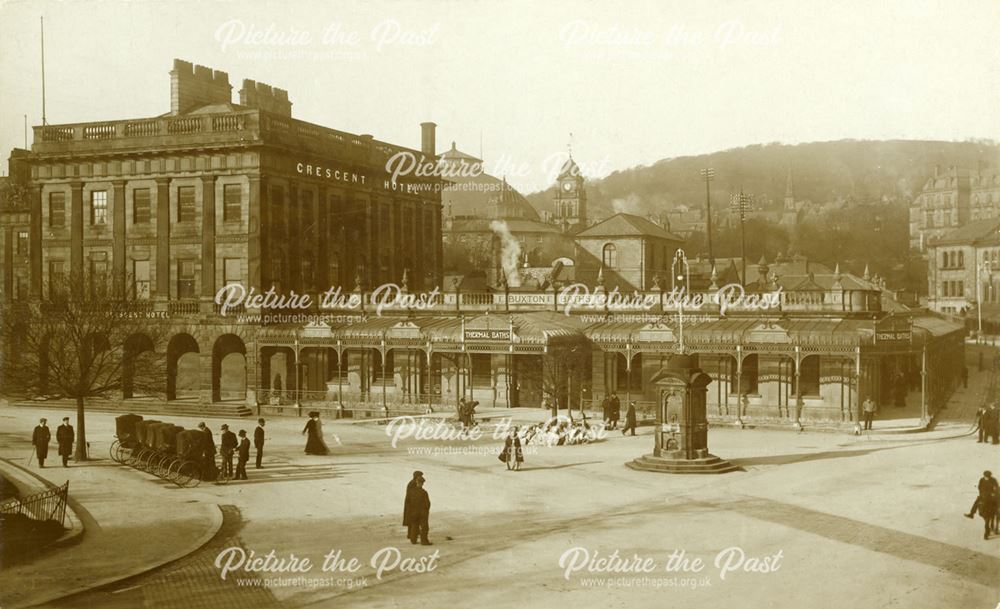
(571, 198)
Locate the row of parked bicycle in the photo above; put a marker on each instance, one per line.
(167, 451)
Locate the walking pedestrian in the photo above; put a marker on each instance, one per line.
(227, 445)
(243, 457)
(258, 441)
(987, 487)
(616, 410)
(630, 421)
(40, 440)
(64, 436)
(606, 411)
(314, 438)
(869, 411)
(416, 510)
(986, 503)
(512, 454)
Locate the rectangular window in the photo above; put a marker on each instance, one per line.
(185, 204)
(232, 271)
(140, 279)
(57, 209)
(22, 243)
(185, 279)
(57, 278)
(232, 203)
(141, 210)
(99, 207)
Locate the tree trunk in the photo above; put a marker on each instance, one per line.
(81, 432)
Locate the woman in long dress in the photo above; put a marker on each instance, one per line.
(512, 454)
(314, 436)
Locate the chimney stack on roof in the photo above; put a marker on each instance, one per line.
(194, 86)
(428, 146)
(264, 97)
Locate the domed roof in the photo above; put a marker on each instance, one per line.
(477, 193)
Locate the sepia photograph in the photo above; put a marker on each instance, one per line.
(401, 304)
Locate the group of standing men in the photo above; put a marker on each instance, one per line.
(230, 444)
(988, 422)
(41, 436)
(611, 408)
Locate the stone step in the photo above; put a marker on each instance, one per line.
(173, 408)
(709, 465)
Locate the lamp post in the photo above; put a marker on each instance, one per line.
(708, 175)
(740, 204)
(986, 267)
(298, 376)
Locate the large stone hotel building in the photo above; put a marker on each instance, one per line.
(213, 193)
(177, 206)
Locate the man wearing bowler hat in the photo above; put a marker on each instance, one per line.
(64, 436)
(416, 510)
(40, 440)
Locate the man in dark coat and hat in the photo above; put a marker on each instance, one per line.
(40, 440)
(227, 446)
(630, 421)
(416, 510)
(991, 420)
(64, 436)
(207, 453)
(243, 456)
(258, 441)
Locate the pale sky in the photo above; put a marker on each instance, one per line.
(633, 82)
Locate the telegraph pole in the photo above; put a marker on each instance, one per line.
(708, 175)
(740, 204)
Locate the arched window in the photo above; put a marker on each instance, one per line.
(748, 378)
(809, 376)
(610, 256)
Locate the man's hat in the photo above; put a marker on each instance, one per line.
(65, 418)
(418, 475)
(224, 426)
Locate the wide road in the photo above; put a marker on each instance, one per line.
(827, 520)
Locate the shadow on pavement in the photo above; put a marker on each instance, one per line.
(962, 562)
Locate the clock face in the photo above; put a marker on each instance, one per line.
(567, 186)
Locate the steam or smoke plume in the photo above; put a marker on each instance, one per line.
(629, 205)
(510, 252)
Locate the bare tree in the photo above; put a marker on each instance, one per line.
(85, 340)
(564, 370)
